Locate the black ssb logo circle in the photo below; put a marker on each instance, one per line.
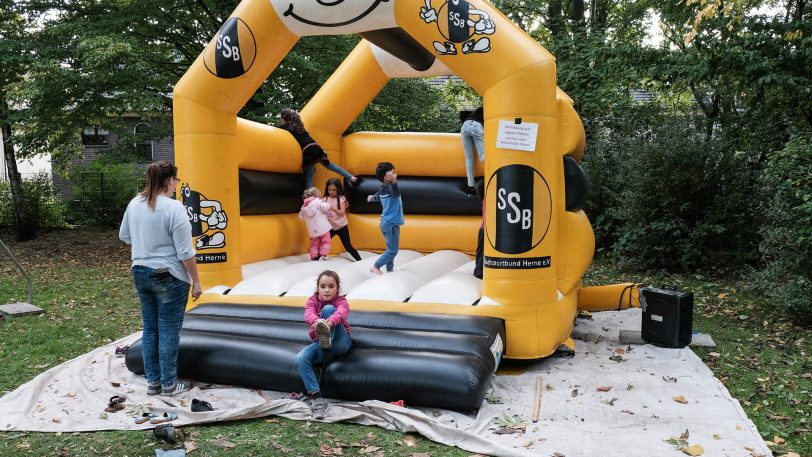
(523, 209)
(232, 52)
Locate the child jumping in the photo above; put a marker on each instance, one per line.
(391, 216)
(335, 197)
(314, 212)
(326, 312)
(312, 153)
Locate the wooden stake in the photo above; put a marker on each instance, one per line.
(537, 402)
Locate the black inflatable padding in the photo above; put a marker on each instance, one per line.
(400, 44)
(265, 192)
(441, 361)
(420, 195)
(576, 186)
(362, 337)
(447, 323)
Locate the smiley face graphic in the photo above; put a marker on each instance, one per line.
(331, 13)
(335, 17)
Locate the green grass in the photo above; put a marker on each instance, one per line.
(82, 281)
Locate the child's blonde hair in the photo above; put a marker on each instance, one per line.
(311, 192)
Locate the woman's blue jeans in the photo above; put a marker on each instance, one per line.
(163, 302)
(311, 170)
(313, 354)
(472, 134)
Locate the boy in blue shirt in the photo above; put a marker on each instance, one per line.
(391, 216)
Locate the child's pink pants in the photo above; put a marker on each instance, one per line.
(320, 246)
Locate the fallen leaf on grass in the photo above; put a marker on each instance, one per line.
(272, 421)
(409, 440)
(189, 446)
(222, 443)
(714, 354)
(369, 449)
(693, 450)
(604, 388)
(791, 454)
(420, 454)
(778, 440)
(680, 399)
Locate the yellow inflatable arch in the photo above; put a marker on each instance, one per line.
(536, 250)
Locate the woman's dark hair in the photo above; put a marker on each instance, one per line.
(331, 274)
(339, 189)
(292, 120)
(382, 169)
(158, 176)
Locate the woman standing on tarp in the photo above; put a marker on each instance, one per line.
(163, 269)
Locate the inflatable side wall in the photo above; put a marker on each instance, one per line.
(538, 241)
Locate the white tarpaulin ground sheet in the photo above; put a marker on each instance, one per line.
(608, 400)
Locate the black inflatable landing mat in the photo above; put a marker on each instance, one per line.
(435, 360)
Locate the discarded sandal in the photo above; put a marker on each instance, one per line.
(145, 417)
(116, 404)
(165, 417)
(199, 406)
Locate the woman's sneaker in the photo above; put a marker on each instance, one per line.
(154, 389)
(323, 332)
(178, 388)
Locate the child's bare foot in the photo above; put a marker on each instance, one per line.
(376, 270)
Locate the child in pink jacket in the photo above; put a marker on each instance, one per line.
(314, 213)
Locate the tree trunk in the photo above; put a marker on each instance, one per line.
(24, 227)
(554, 18)
(577, 13)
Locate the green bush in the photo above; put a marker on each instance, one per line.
(44, 209)
(786, 245)
(101, 192)
(664, 196)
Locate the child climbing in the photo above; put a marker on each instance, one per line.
(312, 153)
(314, 212)
(391, 215)
(335, 197)
(326, 312)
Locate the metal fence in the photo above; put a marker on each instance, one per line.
(90, 197)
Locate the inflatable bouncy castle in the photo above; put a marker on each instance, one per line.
(429, 332)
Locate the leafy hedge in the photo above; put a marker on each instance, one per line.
(665, 196)
(42, 206)
(786, 244)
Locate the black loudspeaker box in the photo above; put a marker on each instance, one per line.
(667, 316)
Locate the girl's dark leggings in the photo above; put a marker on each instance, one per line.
(344, 235)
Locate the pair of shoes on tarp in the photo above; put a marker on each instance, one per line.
(115, 404)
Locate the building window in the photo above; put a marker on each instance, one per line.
(95, 136)
(144, 151)
(141, 128)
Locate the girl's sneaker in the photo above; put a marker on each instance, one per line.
(178, 388)
(323, 332)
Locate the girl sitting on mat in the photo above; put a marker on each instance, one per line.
(327, 313)
(312, 153)
(335, 197)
